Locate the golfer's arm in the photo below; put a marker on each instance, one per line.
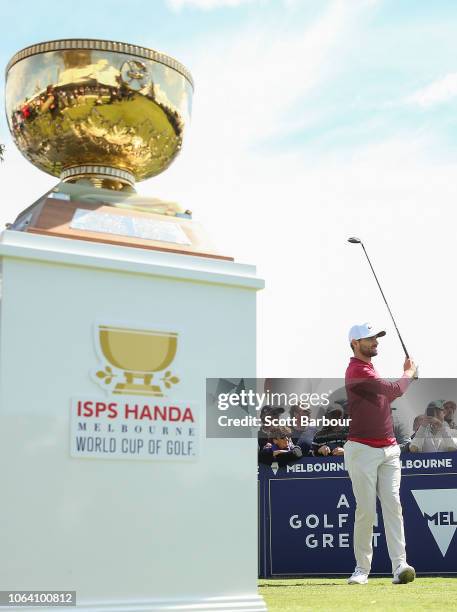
(391, 389)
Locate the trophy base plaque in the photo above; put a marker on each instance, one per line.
(100, 222)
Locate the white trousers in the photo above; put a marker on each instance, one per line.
(376, 471)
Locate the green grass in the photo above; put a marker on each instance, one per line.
(328, 595)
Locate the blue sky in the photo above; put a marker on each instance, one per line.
(398, 47)
(312, 120)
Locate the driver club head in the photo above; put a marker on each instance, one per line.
(354, 240)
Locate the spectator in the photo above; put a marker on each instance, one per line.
(449, 413)
(274, 413)
(331, 439)
(302, 435)
(279, 448)
(434, 435)
(401, 435)
(419, 420)
(25, 110)
(344, 405)
(264, 437)
(282, 448)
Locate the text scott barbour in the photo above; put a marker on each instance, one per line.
(274, 421)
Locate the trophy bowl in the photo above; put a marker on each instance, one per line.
(139, 353)
(108, 111)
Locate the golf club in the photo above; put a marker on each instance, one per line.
(355, 240)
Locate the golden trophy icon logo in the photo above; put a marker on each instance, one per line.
(135, 356)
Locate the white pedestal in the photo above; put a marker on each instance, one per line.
(128, 531)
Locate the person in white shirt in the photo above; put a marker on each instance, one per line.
(434, 435)
(449, 413)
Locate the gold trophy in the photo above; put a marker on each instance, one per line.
(101, 115)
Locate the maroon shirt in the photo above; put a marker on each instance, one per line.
(369, 398)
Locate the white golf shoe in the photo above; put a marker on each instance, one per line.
(359, 576)
(403, 574)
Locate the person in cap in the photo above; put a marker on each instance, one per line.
(434, 435)
(372, 455)
(282, 447)
(279, 448)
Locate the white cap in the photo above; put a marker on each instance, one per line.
(366, 330)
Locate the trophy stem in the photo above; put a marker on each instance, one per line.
(103, 177)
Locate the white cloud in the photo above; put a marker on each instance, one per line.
(440, 91)
(248, 83)
(205, 4)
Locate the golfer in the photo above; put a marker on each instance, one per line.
(372, 455)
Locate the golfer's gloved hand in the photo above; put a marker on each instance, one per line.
(410, 368)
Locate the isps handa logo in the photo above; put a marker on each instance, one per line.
(135, 361)
(146, 414)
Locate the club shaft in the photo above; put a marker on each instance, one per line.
(385, 301)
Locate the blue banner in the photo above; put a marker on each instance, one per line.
(306, 517)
